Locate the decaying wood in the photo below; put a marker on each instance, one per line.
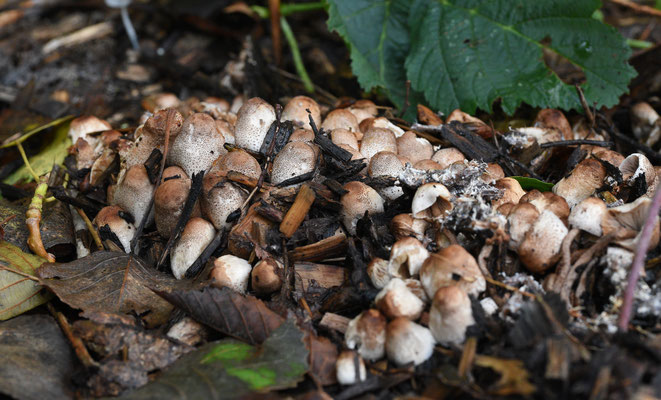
(325, 276)
(334, 322)
(239, 242)
(298, 211)
(326, 248)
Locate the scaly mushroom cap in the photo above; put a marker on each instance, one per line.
(239, 161)
(345, 368)
(82, 126)
(160, 101)
(396, 300)
(295, 111)
(340, 119)
(134, 193)
(415, 148)
(232, 272)
(448, 156)
(169, 201)
(512, 191)
(493, 173)
(198, 144)
(406, 257)
(520, 218)
(612, 157)
(408, 342)
(547, 201)
(381, 122)
(296, 158)
(554, 119)
(124, 230)
(588, 215)
(433, 196)
(427, 165)
(196, 236)
(452, 265)
(302, 135)
(359, 199)
(219, 199)
(386, 163)
(363, 109)
(451, 313)
(376, 140)
(367, 334)
(151, 136)
(540, 248)
(252, 123)
(343, 136)
(582, 182)
(266, 276)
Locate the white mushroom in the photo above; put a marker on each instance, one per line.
(406, 257)
(252, 123)
(367, 334)
(295, 159)
(359, 199)
(451, 266)
(198, 144)
(451, 313)
(396, 300)
(296, 111)
(408, 342)
(432, 196)
(345, 368)
(196, 236)
(540, 248)
(232, 272)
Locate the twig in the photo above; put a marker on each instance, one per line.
(639, 261)
(86, 34)
(20, 137)
(90, 227)
(510, 288)
(599, 143)
(638, 7)
(33, 219)
(77, 344)
(274, 17)
(586, 106)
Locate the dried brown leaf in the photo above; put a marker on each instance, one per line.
(513, 376)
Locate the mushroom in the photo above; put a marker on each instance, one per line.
(196, 236)
(512, 191)
(404, 225)
(151, 136)
(588, 216)
(386, 163)
(113, 219)
(295, 159)
(252, 123)
(380, 122)
(81, 127)
(302, 135)
(547, 201)
(160, 101)
(433, 196)
(197, 145)
(376, 140)
(237, 160)
(452, 265)
(377, 270)
(406, 257)
(340, 118)
(520, 218)
(645, 123)
(396, 300)
(408, 342)
(232, 272)
(296, 111)
(540, 248)
(169, 200)
(266, 276)
(427, 165)
(358, 200)
(219, 199)
(345, 368)
(582, 182)
(134, 193)
(627, 222)
(363, 109)
(554, 119)
(415, 148)
(342, 136)
(451, 313)
(636, 166)
(448, 156)
(367, 334)
(493, 173)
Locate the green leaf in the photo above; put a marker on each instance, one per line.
(532, 183)
(52, 153)
(18, 293)
(377, 35)
(232, 369)
(467, 54)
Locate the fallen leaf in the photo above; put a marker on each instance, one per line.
(18, 292)
(37, 361)
(323, 356)
(243, 317)
(111, 282)
(232, 369)
(513, 376)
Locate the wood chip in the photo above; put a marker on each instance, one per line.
(298, 211)
(334, 322)
(325, 276)
(324, 249)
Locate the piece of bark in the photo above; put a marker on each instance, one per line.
(325, 276)
(239, 242)
(334, 322)
(327, 248)
(428, 117)
(298, 211)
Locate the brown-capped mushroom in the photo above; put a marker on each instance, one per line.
(296, 111)
(134, 193)
(266, 276)
(452, 265)
(448, 156)
(367, 334)
(414, 148)
(396, 300)
(340, 119)
(376, 140)
(540, 248)
(232, 272)
(112, 216)
(195, 237)
(451, 313)
(386, 163)
(408, 342)
(359, 199)
(295, 159)
(582, 182)
(198, 144)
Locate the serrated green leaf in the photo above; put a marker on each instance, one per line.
(466, 54)
(231, 369)
(377, 35)
(18, 293)
(532, 183)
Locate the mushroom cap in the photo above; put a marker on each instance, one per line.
(408, 342)
(363, 109)
(628, 220)
(173, 172)
(547, 201)
(266, 277)
(582, 182)
(636, 165)
(404, 225)
(296, 158)
(151, 136)
(386, 163)
(220, 199)
(196, 236)
(512, 191)
(359, 199)
(406, 257)
(380, 122)
(367, 334)
(345, 368)
(124, 230)
(134, 193)
(302, 135)
(540, 248)
(376, 140)
(452, 265)
(588, 215)
(342, 136)
(451, 313)
(434, 196)
(239, 161)
(427, 165)
(493, 173)
(414, 147)
(159, 101)
(377, 270)
(340, 118)
(448, 156)
(554, 119)
(295, 111)
(169, 201)
(252, 123)
(396, 300)
(232, 272)
(612, 157)
(157, 125)
(521, 217)
(80, 128)
(198, 144)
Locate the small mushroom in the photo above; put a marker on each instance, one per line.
(427, 165)
(295, 159)
(645, 123)
(386, 163)
(554, 119)
(452, 265)
(134, 193)
(240, 161)
(302, 135)
(588, 216)
(367, 334)
(512, 191)
(198, 144)
(195, 237)
(112, 217)
(431, 196)
(169, 200)
(343, 136)
(636, 166)
(363, 109)
(345, 368)
(232, 272)
(151, 136)
(358, 200)
(160, 101)
(451, 313)
(406, 257)
(408, 342)
(219, 199)
(396, 300)
(252, 123)
(540, 248)
(377, 270)
(448, 156)
(582, 182)
(340, 119)
(381, 122)
(266, 276)
(627, 222)
(414, 147)
(376, 140)
(296, 111)
(81, 127)
(520, 218)
(547, 201)
(405, 225)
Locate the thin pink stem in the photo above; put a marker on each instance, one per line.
(639, 261)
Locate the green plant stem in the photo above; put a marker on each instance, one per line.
(296, 55)
(290, 8)
(26, 161)
(639, 44)
(18, 138)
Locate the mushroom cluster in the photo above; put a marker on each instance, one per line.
(243, 170)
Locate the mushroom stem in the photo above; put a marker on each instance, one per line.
(638, 261)
(130, 31)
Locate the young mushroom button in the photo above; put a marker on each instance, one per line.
(296, 111)
(196, 236)
(367, 334)
(451, 313)
(252, 123)
(359, 199)
(408, 342)
(198, 144)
